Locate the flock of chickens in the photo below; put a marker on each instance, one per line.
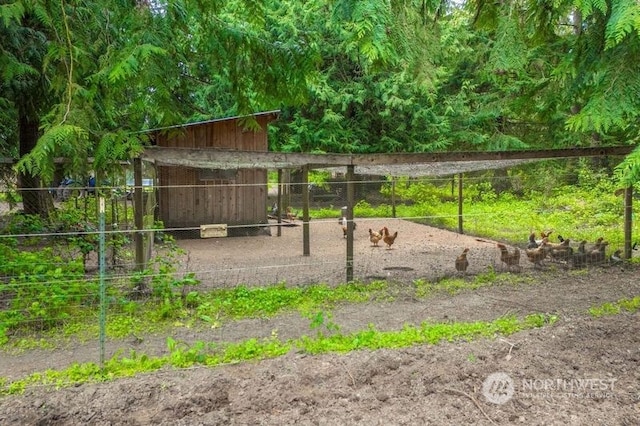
(375, 237)
(387, 237)
(537, 251)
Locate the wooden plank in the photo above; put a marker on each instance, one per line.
(217, 230)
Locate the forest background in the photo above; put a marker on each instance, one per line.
(82, 80)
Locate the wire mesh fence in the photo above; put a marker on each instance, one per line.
(51, 271)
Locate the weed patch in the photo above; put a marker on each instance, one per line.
(213, 354)
(614, 308)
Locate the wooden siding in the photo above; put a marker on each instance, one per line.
(236, 197)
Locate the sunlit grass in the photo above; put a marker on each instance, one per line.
(572, 212)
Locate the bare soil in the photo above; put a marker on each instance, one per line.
(581, 370)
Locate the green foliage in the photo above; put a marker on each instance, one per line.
(93, 86)
(41, 294)
(19, 224)
(244, 302)
(182, 355)
(426, 333)
(321, 319)
(614, 308)
(624, 20)
(627, 172)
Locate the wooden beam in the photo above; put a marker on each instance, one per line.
(227, 159)
(221, 159)
(393, 197)
(279, 202)
(628, 221)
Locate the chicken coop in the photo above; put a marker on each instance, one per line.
(191, 195)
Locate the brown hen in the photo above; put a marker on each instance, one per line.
(510, 259)
(388, 238)
(536, 256)
(461, 262)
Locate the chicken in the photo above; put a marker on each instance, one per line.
(579, 259)
(597, 244)
(388, 238)
(561, 251)
(597, 254)
(375, 237)
(510, 259)
(343, 223)
(537, 256)
(616, 258)
(532, 244)
(562, 245)
(546, 234)
(461, 262)
(290, 214)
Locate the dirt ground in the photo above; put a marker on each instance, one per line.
(581, 370)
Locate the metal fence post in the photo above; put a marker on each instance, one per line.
(101, 260)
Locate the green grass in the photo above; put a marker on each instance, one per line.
(572, 211)
(614, 308)
(201, 309)
(212, 308)
(213, 354)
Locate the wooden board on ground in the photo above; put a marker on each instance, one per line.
(216, 230)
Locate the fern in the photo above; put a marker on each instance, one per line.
(509, 51)
(587, 7)
(14, 69)
(131, 63)
(627, 173)
(624, 20)
(613, 103)
(12, 12)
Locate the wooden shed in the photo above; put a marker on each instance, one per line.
(190, 195)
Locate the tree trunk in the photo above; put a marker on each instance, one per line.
(35, 199)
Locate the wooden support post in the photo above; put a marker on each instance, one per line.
(460, 228)
(350, 224)
(138, 211)
(286, 190)
(279, 202)
(306, 250)
(628, 221)
(393, 197)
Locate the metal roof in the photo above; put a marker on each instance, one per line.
(213, 120)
